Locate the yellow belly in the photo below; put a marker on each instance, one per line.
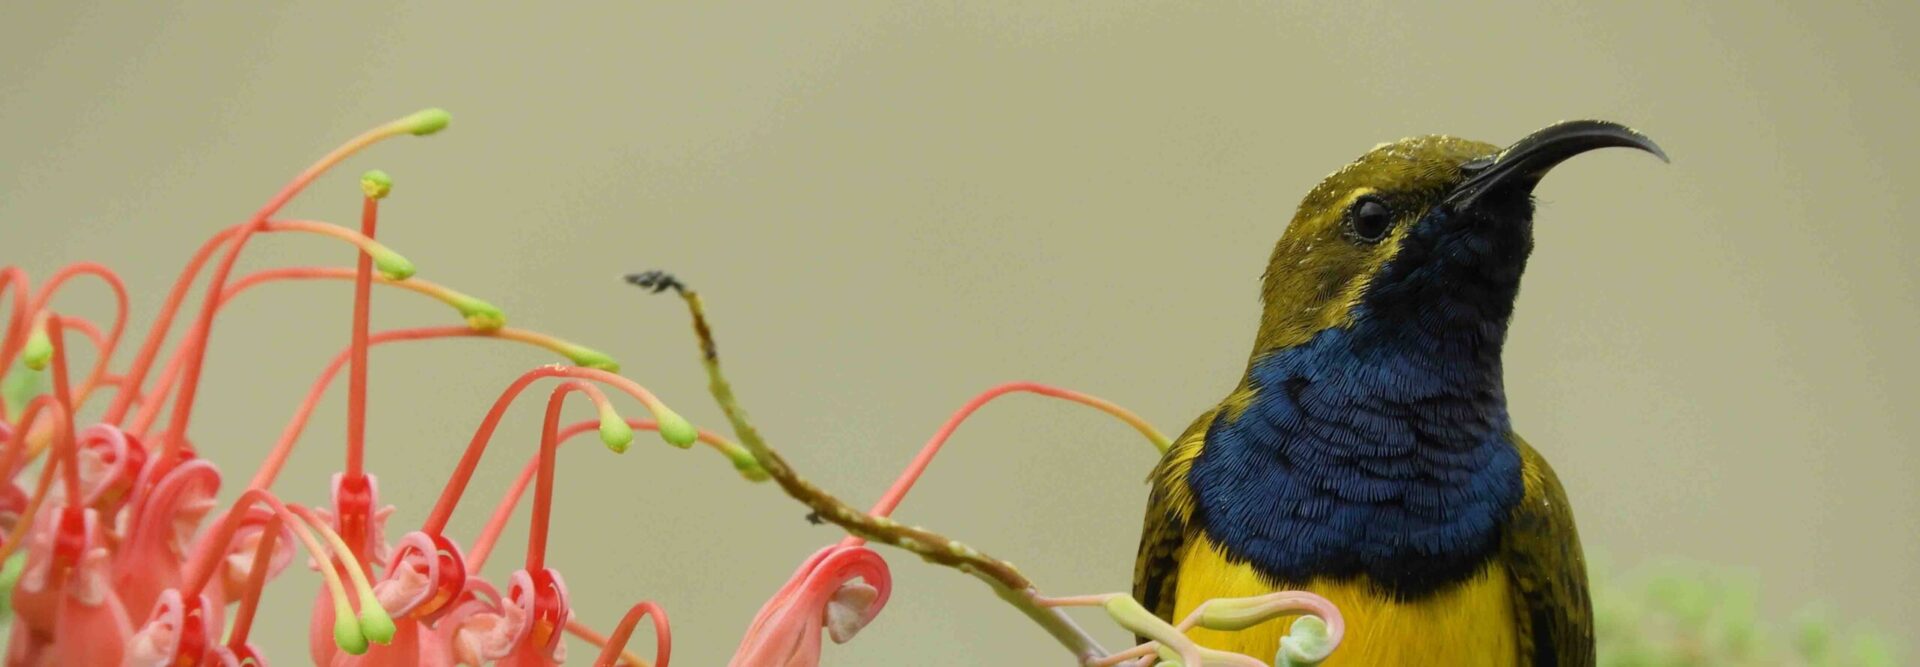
(1471, 624)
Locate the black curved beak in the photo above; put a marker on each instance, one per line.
(1522, 165)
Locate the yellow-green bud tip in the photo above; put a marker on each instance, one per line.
(376, 625)
(1306, 644)
(615, 432)
(38, 351)
(376, 184)
(591, 358)
(675, 429)
(480, 315)
(749, 468)
(391, 264)
(347, 634)
(427, 121)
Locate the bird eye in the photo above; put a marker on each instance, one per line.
(1369, 219)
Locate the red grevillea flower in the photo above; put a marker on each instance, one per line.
(121, 566)
(839, 589)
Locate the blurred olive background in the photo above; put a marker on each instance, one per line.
(891, 206)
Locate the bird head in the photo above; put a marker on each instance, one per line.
(1423, 235)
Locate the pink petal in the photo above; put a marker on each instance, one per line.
(528, 655)
(482, 637)
(320, 646)
(823, 591)
(847, 611)
(236, 563)
(26, 649)
(473, 631)
(35, 600)
(91, 633)
(153, 556)
(426, 574)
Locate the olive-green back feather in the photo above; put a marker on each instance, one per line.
(1541, 550)
(1167, 529)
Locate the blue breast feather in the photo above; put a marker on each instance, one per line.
(1365, 452)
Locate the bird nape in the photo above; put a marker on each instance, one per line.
(1366, 454)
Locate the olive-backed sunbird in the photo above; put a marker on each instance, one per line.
(1367, 454)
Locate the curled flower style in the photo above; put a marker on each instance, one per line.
(839, 589)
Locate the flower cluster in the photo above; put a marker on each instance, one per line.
(121, 552)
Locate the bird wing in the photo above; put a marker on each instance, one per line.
(1169, 508)
(1541, 551)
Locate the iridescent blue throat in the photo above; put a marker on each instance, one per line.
(1380, 449)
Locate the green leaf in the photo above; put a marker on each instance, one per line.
(9, 576)
(20, 387)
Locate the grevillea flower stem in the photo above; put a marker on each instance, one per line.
(502, 512)
(357, 376)
(15, 454)
(425, 122)
(24, 444)
(201, 569)
(680, 432)
(459, 301)
(663, 645)
(195, 341)
(590, 636)
(63, 394)
(543, 490)
(163, 322)
(13, 279)
(256, 584)
(277, 457)
(891, 499)
(101, 345)
(111, 341)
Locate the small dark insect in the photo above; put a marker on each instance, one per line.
(815, 519)
(658, 281)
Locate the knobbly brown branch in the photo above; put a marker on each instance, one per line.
(1006, 580)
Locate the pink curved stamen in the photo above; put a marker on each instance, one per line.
(255, 586)
(463, 471)
(111, 341)
(283, 448)
(192, 350)
(615, 646)
(163, 322)
(200, 570)
(16, 453)
(543, 489)
(197, 347)
(898, 492)
(502, 512)
(13, 279)
(93, 335)
(103, 347)
(63, 394)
